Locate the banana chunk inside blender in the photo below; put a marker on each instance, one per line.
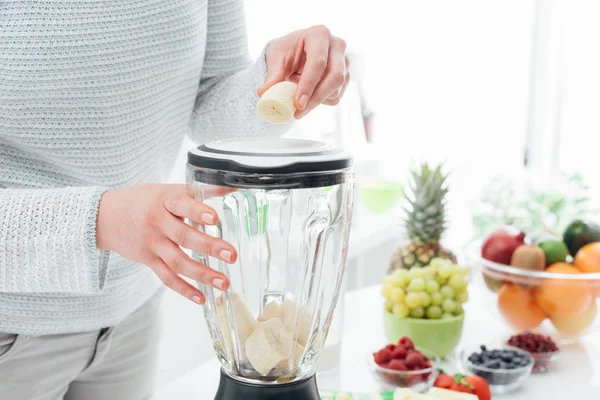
(276, 339)
(268, 345)
(244, 321)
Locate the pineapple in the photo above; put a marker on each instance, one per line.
(425, 220)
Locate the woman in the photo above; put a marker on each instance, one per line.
(95, 99)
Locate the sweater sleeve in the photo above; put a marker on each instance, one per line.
(48, 241)
(226, 101)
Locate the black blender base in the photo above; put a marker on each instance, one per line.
(231, 389)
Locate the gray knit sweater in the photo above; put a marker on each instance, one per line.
(94, 95)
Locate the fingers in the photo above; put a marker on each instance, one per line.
(184, 206)
(332, 81)
(316, 47)
(335, 100)
(347, 63)
(182, 264)
(191, 238)
(173, 281)
(283, 60)
(275, 74)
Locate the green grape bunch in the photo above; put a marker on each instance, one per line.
(436, 291)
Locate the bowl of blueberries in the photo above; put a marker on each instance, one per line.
(505, 368)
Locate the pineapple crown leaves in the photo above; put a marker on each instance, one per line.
(425, 212)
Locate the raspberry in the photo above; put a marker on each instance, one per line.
(533, 342)
(413, 359)
(390, 347)
(382, 356)
(397, 365)
(399, 353)
(406, 343)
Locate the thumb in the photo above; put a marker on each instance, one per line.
(273, 76)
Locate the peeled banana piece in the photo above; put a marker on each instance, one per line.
(244, 321)
(268, 345)
(301, 327)
(293, 361)
(272, 310)
(276, 105)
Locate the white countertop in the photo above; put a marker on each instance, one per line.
(575, 376)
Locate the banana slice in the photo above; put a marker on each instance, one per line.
(295, 359)
(276, 105)
(268, 345)
(300, 328)
(272, 310)
(244, 321)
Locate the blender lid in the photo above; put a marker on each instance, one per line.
(269, 156)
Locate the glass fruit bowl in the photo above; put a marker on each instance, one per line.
(562, 304)
(418, 380)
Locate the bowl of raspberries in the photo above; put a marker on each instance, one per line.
(403, 365)
(542, 348)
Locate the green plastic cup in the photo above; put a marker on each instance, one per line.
(380, 196)
(441, 336)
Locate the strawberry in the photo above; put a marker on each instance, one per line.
(399, 353)
(406, 343)
(382, 356)
(443, 381)
(459, 387)
(480, 386)
(397, 365)
(463, 384)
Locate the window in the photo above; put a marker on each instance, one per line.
(580, 117)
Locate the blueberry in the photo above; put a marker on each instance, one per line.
(483, 348)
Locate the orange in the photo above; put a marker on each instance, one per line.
(587, 258)
(578, 323)
(563, 268)
(562, 298)
(517, 306)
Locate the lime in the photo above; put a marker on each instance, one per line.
(555, 250)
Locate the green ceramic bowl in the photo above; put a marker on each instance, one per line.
(438, 335)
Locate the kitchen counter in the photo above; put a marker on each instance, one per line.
(575, 376)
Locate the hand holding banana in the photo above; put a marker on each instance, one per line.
(304, 69)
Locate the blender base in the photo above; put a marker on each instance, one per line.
(231, 389)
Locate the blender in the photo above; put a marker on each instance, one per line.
(286, 206)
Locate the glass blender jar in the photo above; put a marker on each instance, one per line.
(286, 206)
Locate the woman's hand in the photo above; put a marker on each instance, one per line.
(145, 223)
(314, 59)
